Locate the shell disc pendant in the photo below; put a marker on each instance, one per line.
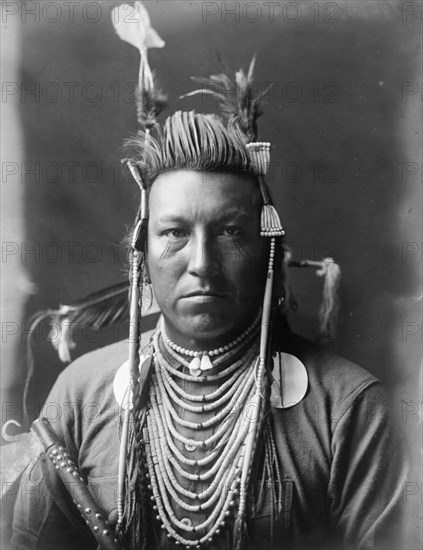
(290, 381)
(122, 381)
(195, 367)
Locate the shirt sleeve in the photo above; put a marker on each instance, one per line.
(79, 407)
(367, 475)
(39, 522)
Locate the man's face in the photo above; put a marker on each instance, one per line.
(206, 259)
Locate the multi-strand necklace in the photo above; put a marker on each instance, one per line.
(202, 360)
(173, 474)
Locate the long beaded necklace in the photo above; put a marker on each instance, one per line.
(224, 450)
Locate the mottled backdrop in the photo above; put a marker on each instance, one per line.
(344, 118)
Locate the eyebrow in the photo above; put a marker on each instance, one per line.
(165, 219)
(234, 213)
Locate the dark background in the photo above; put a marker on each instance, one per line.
(347, 153)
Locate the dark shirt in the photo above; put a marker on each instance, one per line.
(340, 459)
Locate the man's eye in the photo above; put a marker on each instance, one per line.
(175, 233)
(231, 231)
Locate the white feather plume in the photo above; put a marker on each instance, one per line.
(133, 25)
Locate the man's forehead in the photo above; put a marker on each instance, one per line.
(227, 183)
(221, 174)
(172, 214)
(226, 187)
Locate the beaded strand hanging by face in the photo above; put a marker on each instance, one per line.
(135, 276)
(270, 227)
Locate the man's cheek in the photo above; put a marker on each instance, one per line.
(254, 254)
(163, 286)
(171, 266)
(244, 254)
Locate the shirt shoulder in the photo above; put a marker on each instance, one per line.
(93, 373)
(331, 377)
(90, 376)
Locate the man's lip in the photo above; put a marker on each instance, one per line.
(204, 293)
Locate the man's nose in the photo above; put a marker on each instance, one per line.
(204, 257)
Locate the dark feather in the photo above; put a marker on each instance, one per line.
(103, 308)
(238, 98)
(99, 309)
(150, 103)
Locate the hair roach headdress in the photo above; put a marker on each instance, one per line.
(204, 142)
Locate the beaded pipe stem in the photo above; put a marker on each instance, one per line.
(74, 483)
(257, 400)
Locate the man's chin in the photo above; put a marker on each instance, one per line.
(203, 326)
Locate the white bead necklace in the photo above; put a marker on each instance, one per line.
(237, 385)
(229, 439)
(210, 401)
(201, 359)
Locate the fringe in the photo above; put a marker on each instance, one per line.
(290, 298)
(270, 222)
(135, 530)
(240, 533)
(329, 309)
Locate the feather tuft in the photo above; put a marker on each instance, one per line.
(62, 340)
(238, 97)
(328, 313)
